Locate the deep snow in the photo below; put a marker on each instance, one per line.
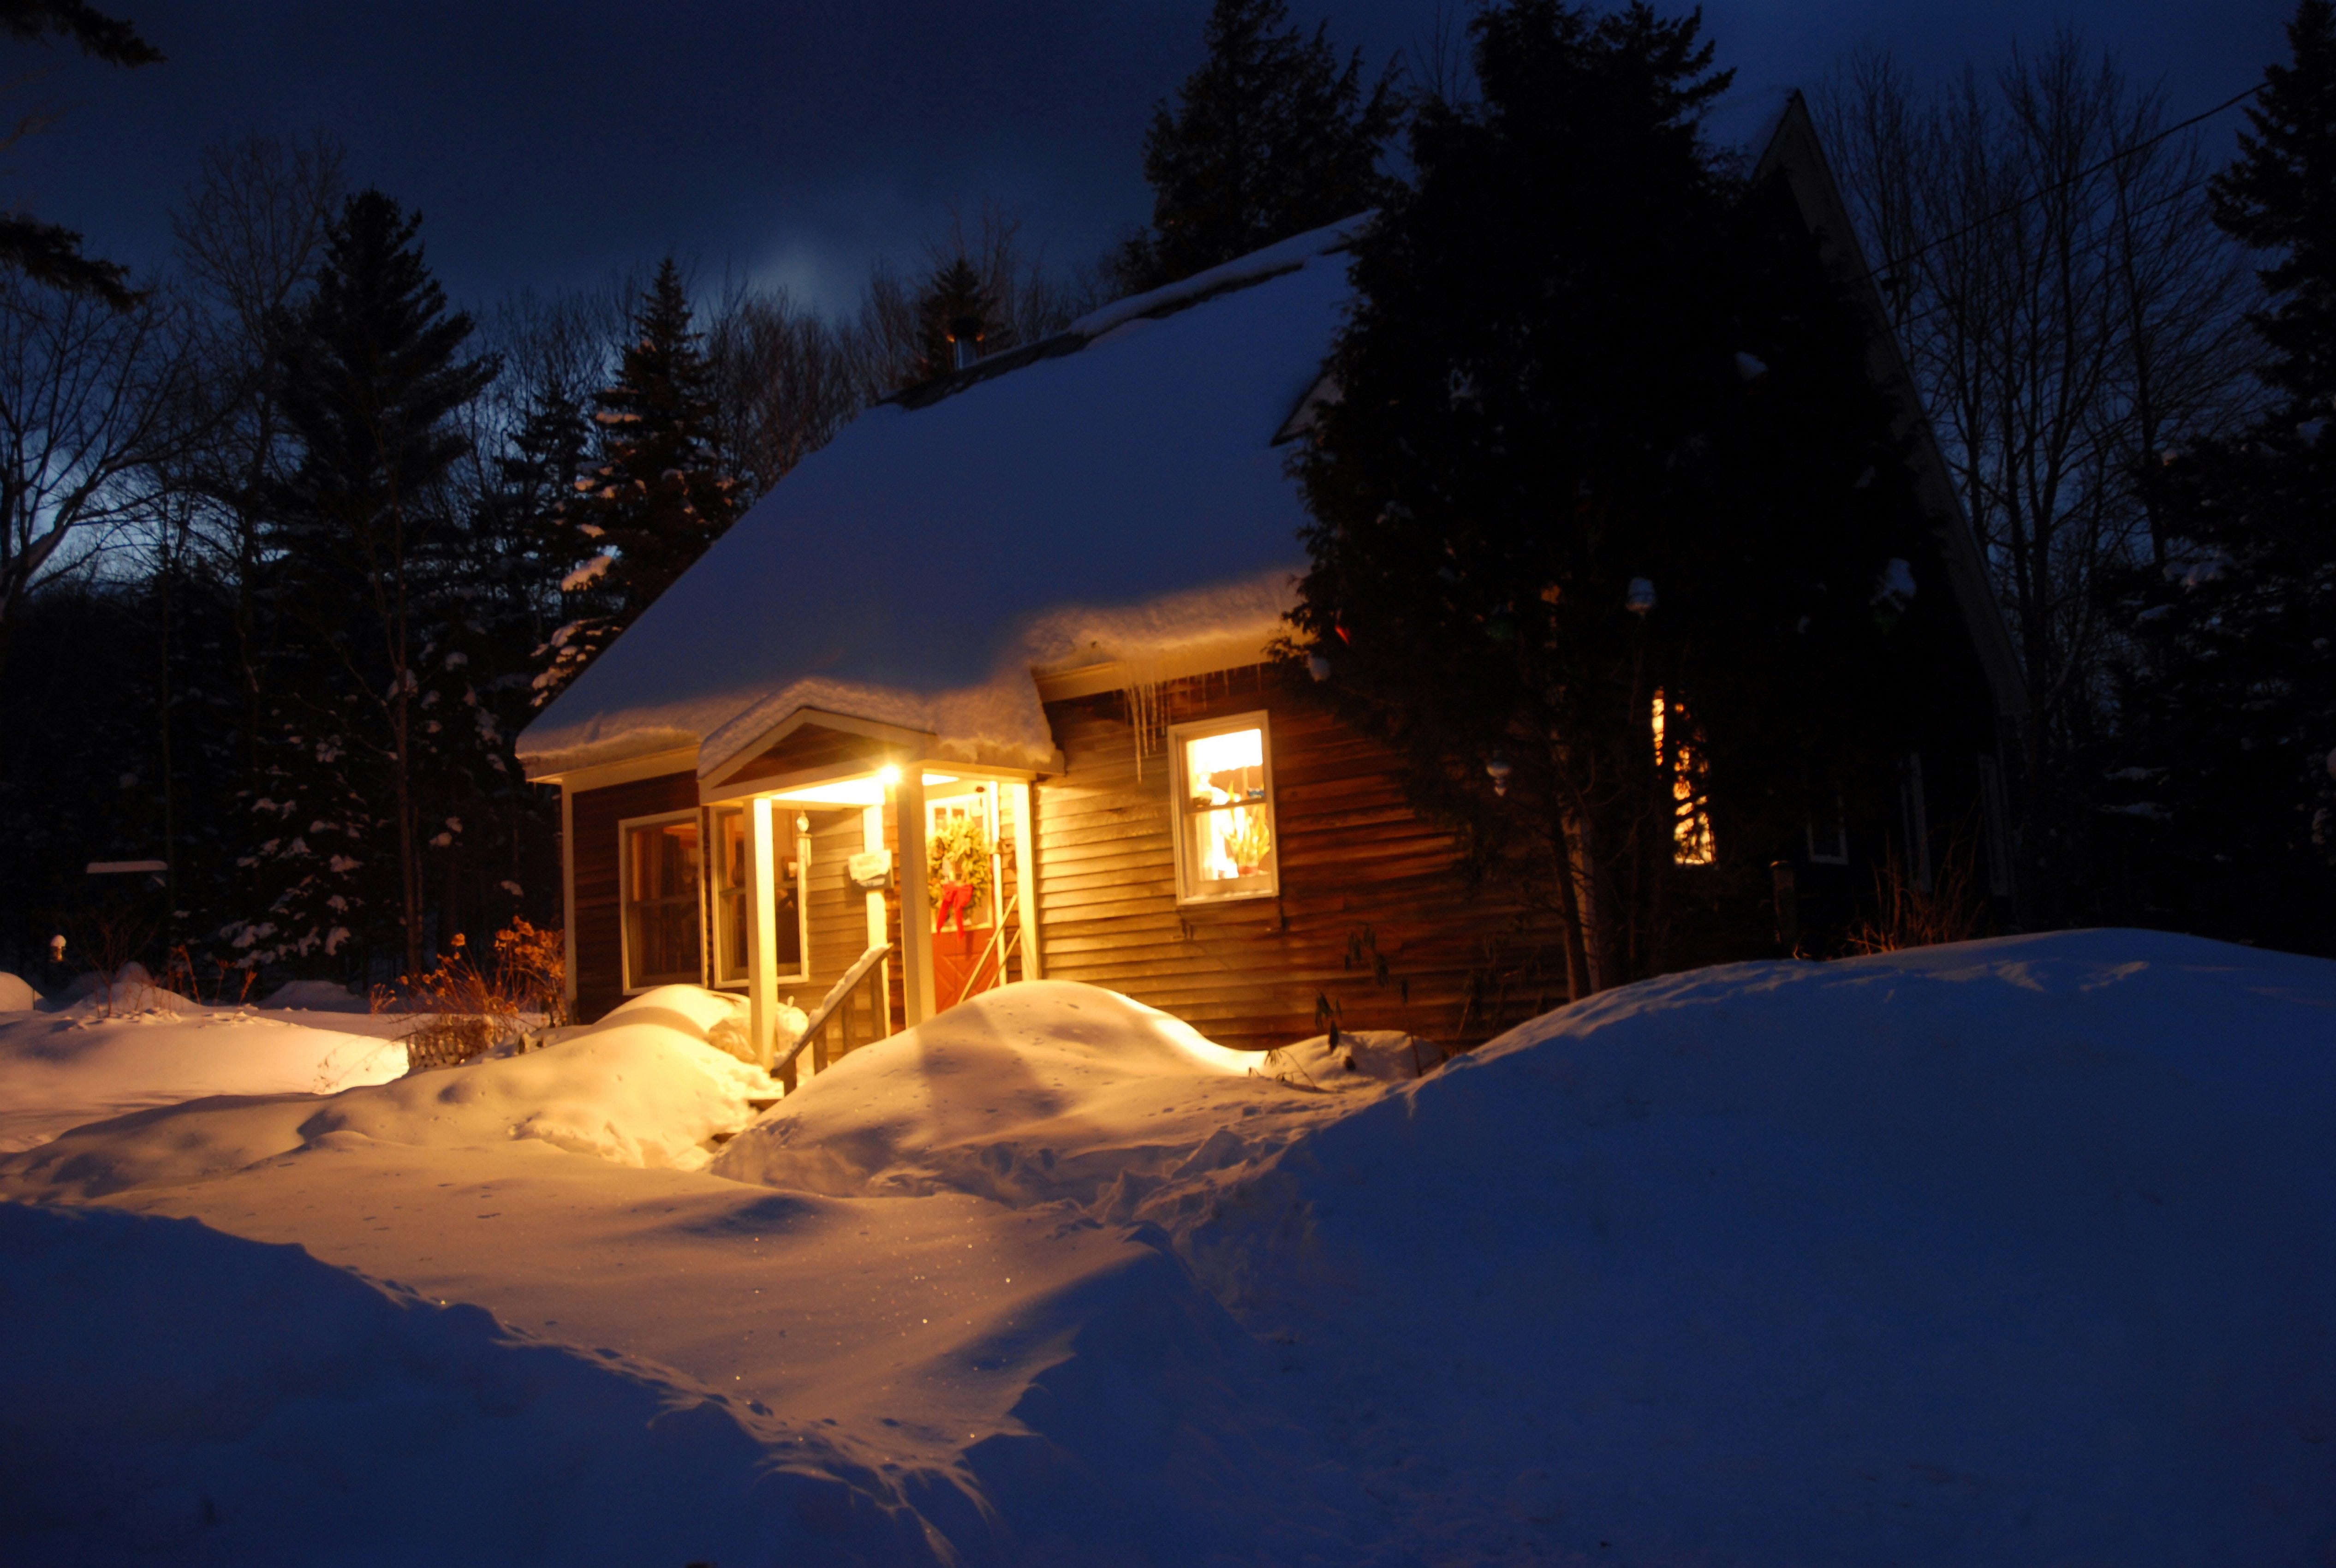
(69, 1062)
(2020, 1252)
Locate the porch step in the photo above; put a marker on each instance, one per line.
(761, 1103)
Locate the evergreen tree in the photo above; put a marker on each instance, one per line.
(654, 495)
(49, 253)
(954, 305)
(2232, 706)
(370, 377)
(1270, 138)
(1605, 433)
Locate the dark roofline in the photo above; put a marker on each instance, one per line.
(925, 394)
(1796, 155)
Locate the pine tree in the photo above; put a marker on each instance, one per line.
(654, 495)
(2232, 706)
(49, 253)
(370, 375)
(1270, 137)
(954, 305)
(1605, 432)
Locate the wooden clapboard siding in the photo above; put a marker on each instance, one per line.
(808, 747)
(1354, 858)
(595, 860)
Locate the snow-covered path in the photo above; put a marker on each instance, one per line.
(863, 1311)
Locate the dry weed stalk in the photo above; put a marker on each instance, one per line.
(464, 1011)
(1906, 916)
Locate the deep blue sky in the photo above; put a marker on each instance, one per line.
(548, 144)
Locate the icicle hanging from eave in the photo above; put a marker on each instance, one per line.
(1148, 705)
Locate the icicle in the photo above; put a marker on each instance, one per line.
(1147, 706)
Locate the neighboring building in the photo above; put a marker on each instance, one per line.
(983, 686)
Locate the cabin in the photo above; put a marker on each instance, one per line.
(982, 693)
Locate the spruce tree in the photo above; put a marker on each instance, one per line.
(2231, 708)
(370, 377)
(954, 305)
(1270, 137)
(1605, 432)
(654, 493)
(49, 253)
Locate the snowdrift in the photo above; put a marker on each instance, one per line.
(1046, 1091)
(61, 1068)
(2020, 1252)
(643, 1087)
(203, 1399)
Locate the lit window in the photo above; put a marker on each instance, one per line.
(660, 902)
(1225, 845)
(734, 914)
(1677, 755)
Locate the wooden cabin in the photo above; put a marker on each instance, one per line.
(981, 693)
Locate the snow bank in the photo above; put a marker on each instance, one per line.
(61, 1069)
(2019, 1252)
(643, 1087)
(16, 994)
(1035, 1093)
(315, 997)
(200, 1399)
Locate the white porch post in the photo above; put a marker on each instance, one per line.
(763, 930)
(916, 896)
(871, 838)
(1026, 878)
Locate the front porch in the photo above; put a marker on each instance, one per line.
(870, 894)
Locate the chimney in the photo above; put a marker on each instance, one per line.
(965, 334)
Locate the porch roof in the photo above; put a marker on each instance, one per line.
(1113, 493)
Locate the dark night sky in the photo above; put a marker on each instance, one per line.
(796, 140)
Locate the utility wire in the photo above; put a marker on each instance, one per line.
(2104, 243)
(1895, 262)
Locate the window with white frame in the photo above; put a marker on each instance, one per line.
(733, 910)
(1223, 785)
(661, 859)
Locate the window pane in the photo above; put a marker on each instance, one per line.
(732, 826)
(661, 918)
(788, 923)
(1223, 770)
(665, 862)
(1231, 842)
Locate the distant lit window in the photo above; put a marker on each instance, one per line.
(660, 882)
(1677, 755)
(1225, 846)
(734, 914)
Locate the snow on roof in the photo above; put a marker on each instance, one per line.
(1111, 496)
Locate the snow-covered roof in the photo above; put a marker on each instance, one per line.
(1113, 493)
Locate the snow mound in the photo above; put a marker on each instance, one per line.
(132, 990)
(315, 997)
(2020, 1252)
(1038, 1092)
(195, 1398)
(62, 1069)
(16, 994)
(1360, 1058)
(643, 1087)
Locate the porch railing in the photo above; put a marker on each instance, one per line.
(999, 946)
(828, 1033)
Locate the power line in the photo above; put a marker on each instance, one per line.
(1895, 262)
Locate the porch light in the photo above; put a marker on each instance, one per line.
(888, 774)
(1498, 770)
